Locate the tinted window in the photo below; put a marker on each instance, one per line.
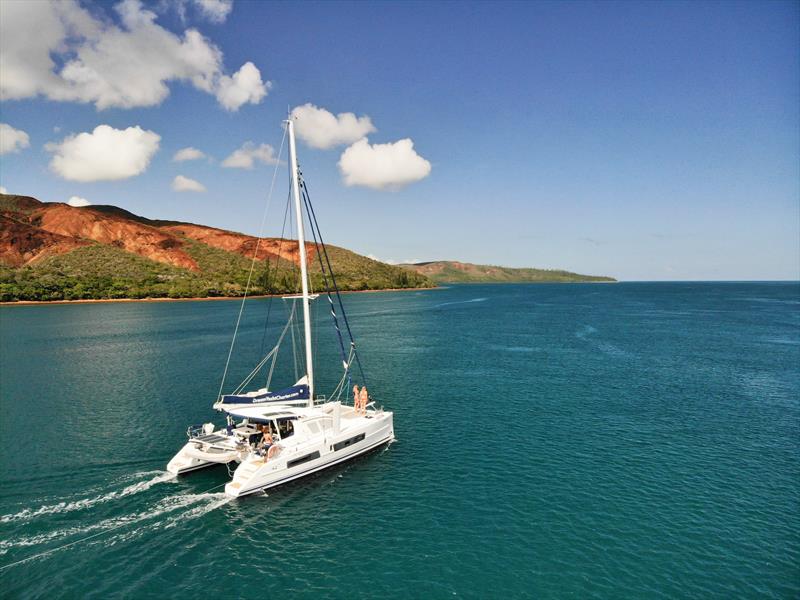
(302, 459)
(348, 442)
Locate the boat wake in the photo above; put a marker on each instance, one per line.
(164, 514)
(65, 507)
(772, 300)
(587, 333)
(526, 349)
(461, 302)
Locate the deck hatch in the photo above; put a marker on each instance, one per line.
(211, 438)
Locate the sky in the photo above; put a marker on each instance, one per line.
(646, 141)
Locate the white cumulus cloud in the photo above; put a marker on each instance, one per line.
(75, 56)
(77, 201)
(383, 166)
(244, 86)
(246, 156)
(188, 154)
(184, 184)
(320, 128)
(105, 154)
(12, 140)
(215, 11)
(3, 190)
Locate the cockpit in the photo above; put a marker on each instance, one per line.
(251, 430)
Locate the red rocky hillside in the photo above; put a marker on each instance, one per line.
(32, 230)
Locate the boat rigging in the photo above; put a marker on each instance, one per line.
(278, 436)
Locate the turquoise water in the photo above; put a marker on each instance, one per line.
(632, 440)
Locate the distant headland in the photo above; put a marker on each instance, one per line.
(50, 251)
(451, 271)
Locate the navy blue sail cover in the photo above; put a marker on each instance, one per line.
(297, 392)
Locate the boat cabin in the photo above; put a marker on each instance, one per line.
(281, 425)
(285, 422)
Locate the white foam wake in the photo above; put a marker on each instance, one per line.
(65, 507)
(462, 302)
(214, 502)
(163, 507)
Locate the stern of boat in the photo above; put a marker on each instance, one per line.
(249, 471)
(197, 455)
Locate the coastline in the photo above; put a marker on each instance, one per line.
(439, 286)
(205, 299)
(548, 282)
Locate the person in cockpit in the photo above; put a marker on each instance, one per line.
(266, 438)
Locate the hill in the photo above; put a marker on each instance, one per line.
(449, 271)
(53, 251)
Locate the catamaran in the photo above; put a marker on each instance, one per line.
(278, 436)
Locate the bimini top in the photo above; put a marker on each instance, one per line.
(263, 414)
(296, 392)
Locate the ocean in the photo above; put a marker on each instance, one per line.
(631, 440)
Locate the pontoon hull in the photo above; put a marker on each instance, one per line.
(190, 459)
(254, 474)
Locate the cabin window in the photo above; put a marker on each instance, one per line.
(313, 427)
(348, 442)
(285, 428)
(302, 459)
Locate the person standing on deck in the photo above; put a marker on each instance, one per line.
(266, 438)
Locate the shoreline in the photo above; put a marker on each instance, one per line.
(205, 299)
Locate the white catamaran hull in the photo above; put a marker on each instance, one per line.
(190, 458)
(367, 433)
(212, 448)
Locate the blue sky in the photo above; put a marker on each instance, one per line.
(640, 140)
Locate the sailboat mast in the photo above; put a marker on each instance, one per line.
(301, 242)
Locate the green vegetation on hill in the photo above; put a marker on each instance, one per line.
(356, 272)
(55, 271)
(457, 272)
(95, 272)
(17, 204)
(106, 272)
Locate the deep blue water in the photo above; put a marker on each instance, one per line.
(614, 441)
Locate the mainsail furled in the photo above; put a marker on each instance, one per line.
(291, 394)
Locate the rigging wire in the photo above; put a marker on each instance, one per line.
(336, 394)
(294, 355)
(313, 306)
(271, 354)
(278, 345)
(252, 265)
(313, 217)
(271, 290)
(297, 355)
(327, 288)
(300, 358)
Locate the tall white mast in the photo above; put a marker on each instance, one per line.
(301, 242)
